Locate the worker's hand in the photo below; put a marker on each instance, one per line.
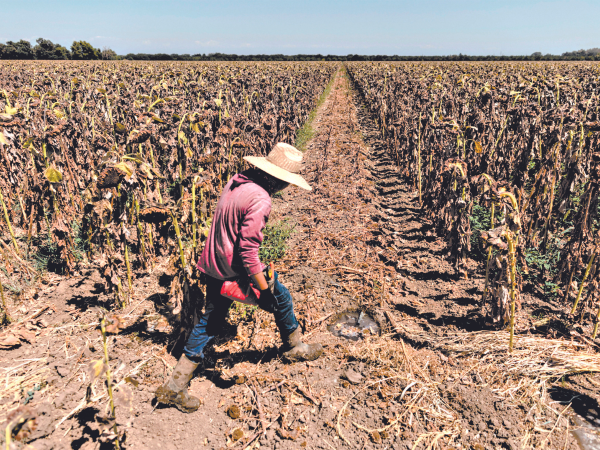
(267, 300)
(266, 279)
(260, 281)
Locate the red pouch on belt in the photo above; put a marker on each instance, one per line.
(240, 292)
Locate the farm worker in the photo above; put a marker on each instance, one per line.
(231, 253)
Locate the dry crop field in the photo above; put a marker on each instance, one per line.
(123, 161)
(455, 203)
(511, 150)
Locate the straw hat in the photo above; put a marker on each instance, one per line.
(283, 162)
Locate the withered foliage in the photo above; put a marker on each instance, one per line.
(125, 160)
(483, 133)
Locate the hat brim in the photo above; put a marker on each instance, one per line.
(282, 174)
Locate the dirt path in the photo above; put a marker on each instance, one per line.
(359, 245)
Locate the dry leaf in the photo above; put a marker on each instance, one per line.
(114, 324)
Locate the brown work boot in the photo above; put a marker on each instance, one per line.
(295, 350)
(174, 391)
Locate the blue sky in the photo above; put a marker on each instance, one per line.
(426, 27)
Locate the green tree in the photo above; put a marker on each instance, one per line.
(17, 50)
(45, 49)
(84, 50)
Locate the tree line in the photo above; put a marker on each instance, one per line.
(80, 50)
(46, 49)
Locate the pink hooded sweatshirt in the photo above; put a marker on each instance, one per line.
(235, 235)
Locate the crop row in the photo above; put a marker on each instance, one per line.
(504, 156)
(122, 161)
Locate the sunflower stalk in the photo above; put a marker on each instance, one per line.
(595, 333)
(582, 284)
(150, 239)
(29, 230)
(109, 380)
(513, 285)
(129, 283)
(194, 225)
(489, 257)
(120, 294)
(596, 324)
(140, 234)
(179, 241)
(23, 209)
(5, 316)
(8, 224)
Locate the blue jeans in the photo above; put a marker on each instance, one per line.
(217, 307)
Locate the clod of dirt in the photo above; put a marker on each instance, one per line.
(376, 437)
(234, 412)
(9, 341)
(352, 376)
(292, 436)
(237, 434)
